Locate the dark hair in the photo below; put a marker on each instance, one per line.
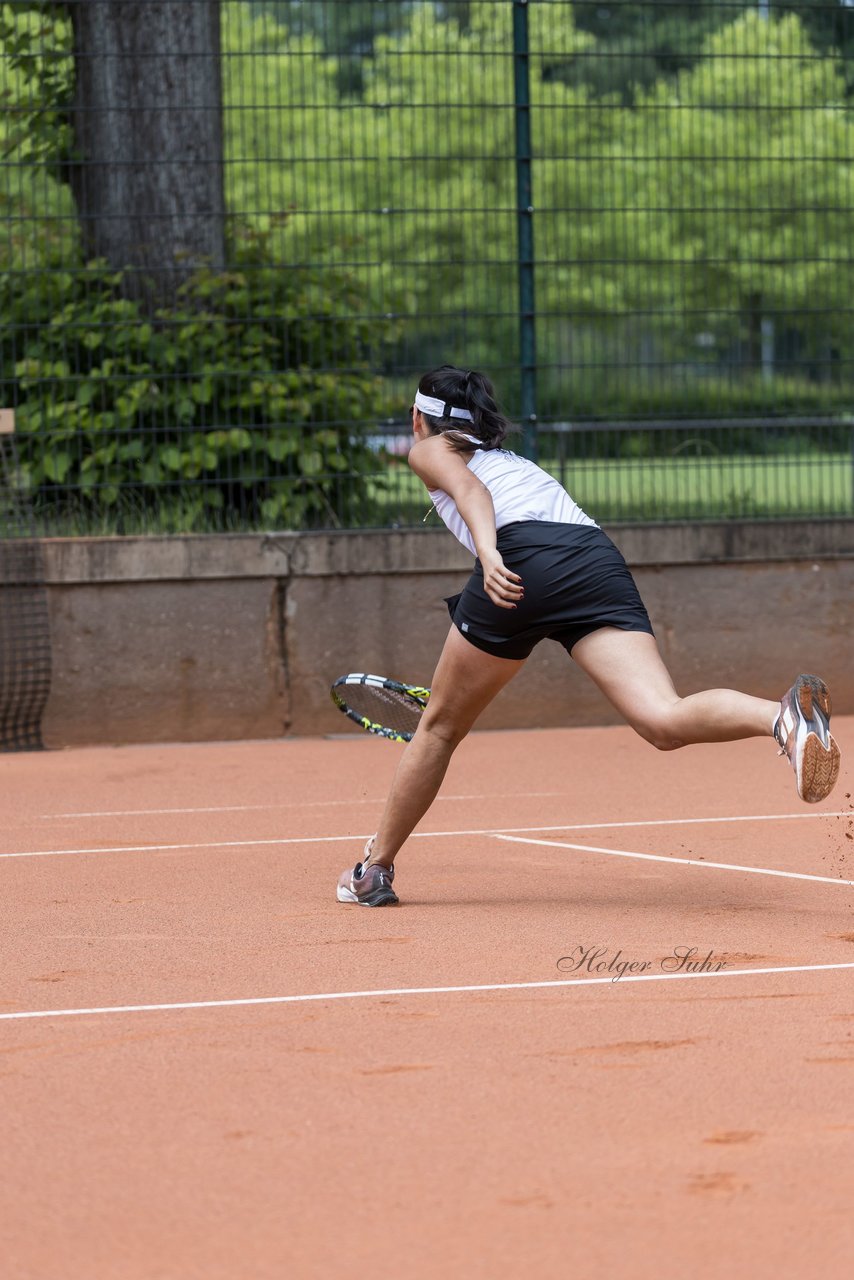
(461, 389)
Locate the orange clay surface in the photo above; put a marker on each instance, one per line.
(659, 1125)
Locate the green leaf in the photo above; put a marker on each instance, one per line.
(311, 463)
(171, 458)
(56, 466)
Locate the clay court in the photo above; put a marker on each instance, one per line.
(212, 1069)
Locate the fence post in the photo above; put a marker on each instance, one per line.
(525, 228)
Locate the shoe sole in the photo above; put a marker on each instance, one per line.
(379, 897)
(820, 758)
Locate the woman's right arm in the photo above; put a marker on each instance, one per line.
(440, 466)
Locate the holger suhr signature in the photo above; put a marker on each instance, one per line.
(602, 961)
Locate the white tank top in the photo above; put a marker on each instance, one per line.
(520, 490)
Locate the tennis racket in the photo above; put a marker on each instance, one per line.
(385, 707)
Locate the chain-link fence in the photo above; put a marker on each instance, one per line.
(234, 234)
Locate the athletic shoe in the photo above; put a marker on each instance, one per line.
(803, 731)
(368, 884)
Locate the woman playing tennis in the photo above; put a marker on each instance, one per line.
(545, 570)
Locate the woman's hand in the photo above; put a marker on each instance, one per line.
(503, 587)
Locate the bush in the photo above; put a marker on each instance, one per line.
(246, 404)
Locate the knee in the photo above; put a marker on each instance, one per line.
(658, 730)
(666, 744)
(443, 729)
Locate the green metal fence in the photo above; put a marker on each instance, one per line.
(234, 234)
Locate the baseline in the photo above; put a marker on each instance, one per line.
(421, 991)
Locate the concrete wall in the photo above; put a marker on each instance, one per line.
(185, 639)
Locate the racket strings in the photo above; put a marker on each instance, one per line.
(393, 709)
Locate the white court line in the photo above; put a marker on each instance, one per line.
(219, 808)
(688, 862)
(423, 835)
(564, 826)
(285, 804)
(418, 991)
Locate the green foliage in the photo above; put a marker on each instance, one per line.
(247, 394)
(719, 198)
(35, 136)
(692, 184)
(638, 44)
(36, 42)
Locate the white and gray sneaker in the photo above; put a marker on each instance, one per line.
(802, 730)
(368, 884)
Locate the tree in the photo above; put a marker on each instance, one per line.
(830, 28)
(737, 217)
(347, 30)
(636, 44)
(712, 201)
(147, 125)
(122, 101)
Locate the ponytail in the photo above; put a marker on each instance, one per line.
(466, 390)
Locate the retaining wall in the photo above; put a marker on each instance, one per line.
(240, 636)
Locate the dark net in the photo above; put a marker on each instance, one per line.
(25, 654)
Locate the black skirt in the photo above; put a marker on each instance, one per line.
(575, 581)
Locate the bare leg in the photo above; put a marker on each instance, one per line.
(628, 668)
(466, 681)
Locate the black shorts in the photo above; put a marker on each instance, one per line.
(575, 581)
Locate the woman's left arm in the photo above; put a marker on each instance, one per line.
(440, 466)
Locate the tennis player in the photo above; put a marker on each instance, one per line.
(545, 570)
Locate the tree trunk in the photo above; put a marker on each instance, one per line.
(147, 115)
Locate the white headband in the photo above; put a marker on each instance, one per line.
(440, 408)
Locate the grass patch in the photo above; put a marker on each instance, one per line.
(744, 486)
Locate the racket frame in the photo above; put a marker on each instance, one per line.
(416, 695)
